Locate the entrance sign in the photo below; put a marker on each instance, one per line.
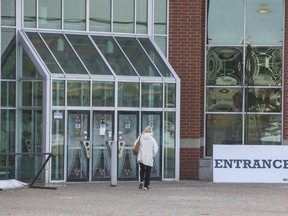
(250, 164)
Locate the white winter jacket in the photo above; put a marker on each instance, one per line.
(148, 149)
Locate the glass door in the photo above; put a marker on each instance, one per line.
(154, 119)
(78, 146)
(127, 134)
(102, 138)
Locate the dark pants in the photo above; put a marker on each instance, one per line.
(145, 172)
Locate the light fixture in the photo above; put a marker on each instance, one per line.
(263, 9)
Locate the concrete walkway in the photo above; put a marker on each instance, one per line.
(165, 198)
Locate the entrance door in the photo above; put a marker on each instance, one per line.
(154, 119)
(127, 134)
(78, 146)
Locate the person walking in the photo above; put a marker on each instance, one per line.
(147, 151)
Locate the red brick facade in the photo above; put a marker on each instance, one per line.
(186, 55)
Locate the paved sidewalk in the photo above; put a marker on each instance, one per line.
(165, 198)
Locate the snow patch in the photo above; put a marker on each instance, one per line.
(11, 184)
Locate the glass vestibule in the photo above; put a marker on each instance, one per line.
(244, 61)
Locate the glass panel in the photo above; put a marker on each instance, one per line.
(141, 16)
(222, 129)
(74, 15)
(265, 22)
(224, 66)
(78, 93)
(27, 68)
(265, 66)
(128, 94)
(100, 16)
(8, 92)
(30, 13)
(224, 99)
(162, 44)
(31, 93)
(7, 143)
(160, 17)
(58, 140)
(154, 120)
(170, 95)
(8, 54)
(58, 93)
(169, 144)
(155, 57)
(64, 54)
(263, 129)
(89, 55)
(30, 141)
(44, 52)
(77, 156)
(225, 26)
(137, 57)
(8, 12)
(103, 93)
(102, 134)
(264, 100)
(128, 132)
(50, 14)
(114, 56)
(152, 95)
(123, 15)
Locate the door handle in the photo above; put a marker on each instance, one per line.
(87, 148)
(121, 145)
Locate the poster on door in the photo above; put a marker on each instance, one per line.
(250, 164)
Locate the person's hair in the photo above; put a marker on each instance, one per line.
(148, 129)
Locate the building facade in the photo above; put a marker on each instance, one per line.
(81, 79)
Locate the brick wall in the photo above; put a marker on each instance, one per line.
(186, 55)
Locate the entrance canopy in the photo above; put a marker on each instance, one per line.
(70, 55)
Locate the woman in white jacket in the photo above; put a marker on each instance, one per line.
(147, 151)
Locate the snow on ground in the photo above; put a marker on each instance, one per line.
(11, 184)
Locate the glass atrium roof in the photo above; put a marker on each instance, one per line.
(75, 54)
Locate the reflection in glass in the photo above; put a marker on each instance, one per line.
(114, 56)
(169, 144)
(64, 53)
(103, 93)
(8, 53)
(50, 14)
(128, 94)
(58, 140)
(222, 129)
(155, 57)
(224, 66)
(123, 16)
(27, 68)
(152, 95)
(78, 93)
(58, 93)
(100, 17)
(31, 93)
(7, 143)
(30, 13)
(265, 21)
(264, 66)
(264, 100)
(141, 16)
(74, 15)
(137, 57)
(225, 27)
(160, 17)
(102, 134)
(8, 92)
(44, 52)
(170, 95)
(224, 99)
(8, 12)
(161, 41)
(263, 129)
